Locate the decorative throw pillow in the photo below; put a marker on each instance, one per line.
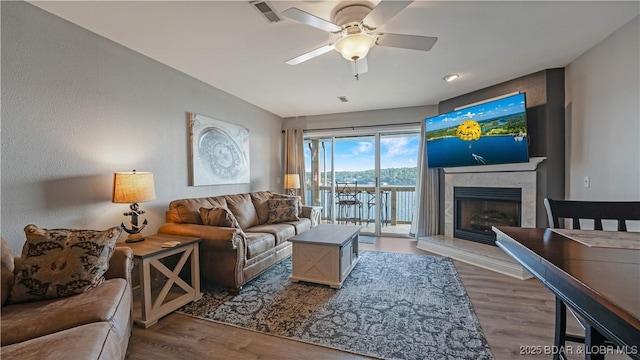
(287, 196)
(282, 210)
(62, 262)
(218, 217)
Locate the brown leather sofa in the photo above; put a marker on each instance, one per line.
(93, 325)
(229, 256)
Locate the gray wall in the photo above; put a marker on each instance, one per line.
(362, 118)
(603, 119)
(77, 107)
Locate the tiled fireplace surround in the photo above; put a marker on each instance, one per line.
(521, 176)
(525, 180)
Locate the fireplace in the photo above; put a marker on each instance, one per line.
(477, 209)
(513, 177)
(519, 178)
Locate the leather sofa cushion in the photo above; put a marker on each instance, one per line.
(6, 263)
(303, 224)
(259, 243)
(260, 202)
(281, 232)
(187, 211)
(24, 321)
(218, 217)
(91, 341)
(242, 208)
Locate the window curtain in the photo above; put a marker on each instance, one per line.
(294, 157)
(425, 213)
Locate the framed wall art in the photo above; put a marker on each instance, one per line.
(219, 152)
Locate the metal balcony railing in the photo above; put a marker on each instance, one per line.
(397, 203)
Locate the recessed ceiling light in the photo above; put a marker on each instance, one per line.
(451, 77)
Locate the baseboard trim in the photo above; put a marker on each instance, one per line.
(484, 256)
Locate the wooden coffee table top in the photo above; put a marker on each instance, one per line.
(327, 234)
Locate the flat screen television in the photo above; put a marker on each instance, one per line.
(490, 133)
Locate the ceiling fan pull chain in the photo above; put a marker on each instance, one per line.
(357, 75)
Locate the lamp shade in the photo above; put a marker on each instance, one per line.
(292, 181)
(354, 47)
(133, 187)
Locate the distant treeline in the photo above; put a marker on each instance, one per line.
(390, 176)
(510, 124)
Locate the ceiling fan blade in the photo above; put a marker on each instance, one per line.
(362, 66)
(311, 20)
(414, 42)
(384, 12)
(310, 55)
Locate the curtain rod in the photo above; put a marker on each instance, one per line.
(361, 127)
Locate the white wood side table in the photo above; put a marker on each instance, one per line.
(161, 289)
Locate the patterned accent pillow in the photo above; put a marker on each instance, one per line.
(62, 262)
(218, 217)
(287, 196)
(282, 210)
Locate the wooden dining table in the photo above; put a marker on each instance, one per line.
(602, 284)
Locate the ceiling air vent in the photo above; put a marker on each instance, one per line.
(343, 99)
(266, 9)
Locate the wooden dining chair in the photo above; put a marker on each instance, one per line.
(597, 211)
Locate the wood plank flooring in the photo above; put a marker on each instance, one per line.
(513, 313)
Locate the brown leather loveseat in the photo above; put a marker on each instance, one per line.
(233, 255)
(95, 324)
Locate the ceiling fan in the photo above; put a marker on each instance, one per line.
(356, 25)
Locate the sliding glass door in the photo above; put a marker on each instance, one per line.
(398, 161)
(364, 179)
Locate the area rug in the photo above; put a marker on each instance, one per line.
(392, 306)
(367, 239)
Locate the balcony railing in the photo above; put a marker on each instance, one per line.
(397, 203)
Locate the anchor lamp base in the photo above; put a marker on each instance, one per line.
(134, 238)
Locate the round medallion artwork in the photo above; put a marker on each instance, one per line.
(220, 154)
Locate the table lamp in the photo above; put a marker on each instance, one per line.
(292, 182)
(133, 187)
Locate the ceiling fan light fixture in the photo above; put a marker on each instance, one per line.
(451, 77)
(355, 46)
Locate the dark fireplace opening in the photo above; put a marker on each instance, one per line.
(477, 209)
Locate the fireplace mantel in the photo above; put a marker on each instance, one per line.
(532, 165)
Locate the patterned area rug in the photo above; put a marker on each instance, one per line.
(392, 306)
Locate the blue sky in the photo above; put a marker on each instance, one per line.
(507, 106)
(355, 154)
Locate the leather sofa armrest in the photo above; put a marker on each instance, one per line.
(120, 264)
(213, 237)
(312, 213)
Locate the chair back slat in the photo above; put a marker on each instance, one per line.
(576, 223)
(346, 191)
(591, 210)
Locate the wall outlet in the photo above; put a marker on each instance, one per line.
(587, 181)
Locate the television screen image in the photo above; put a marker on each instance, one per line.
(491, 133)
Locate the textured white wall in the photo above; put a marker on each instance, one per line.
(603, 119)
(76, 108)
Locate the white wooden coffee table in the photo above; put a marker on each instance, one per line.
(325, 254)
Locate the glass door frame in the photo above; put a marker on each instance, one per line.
(376, 134)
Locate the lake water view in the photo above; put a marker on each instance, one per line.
(488, 150)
